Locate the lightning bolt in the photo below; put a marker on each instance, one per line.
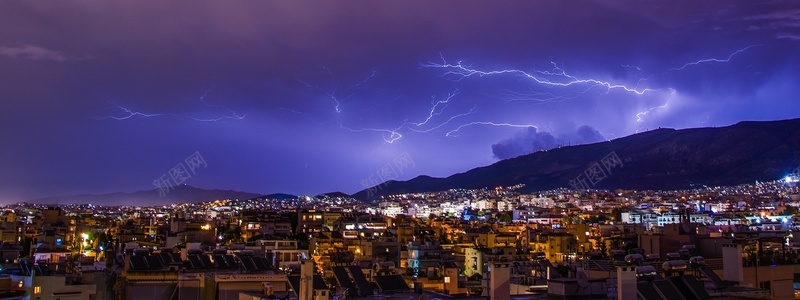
(332, 92)
(336, 107)
(471, 111)
(631, 67)
(433, 112)
(394, 135)
(557, 77)
(129, 113)
(331, 95)
(230, 115)
(718, 60)
(452, 132)
(370, 76)
(211, 116)
(292, 110)
(391, 135)
(233, 116)
(640, 116)
(563, 86)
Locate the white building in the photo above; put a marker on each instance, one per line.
(54, 287)
(391, 209)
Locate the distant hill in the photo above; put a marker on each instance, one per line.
(181, 194)
(659, 159)
(335, 195)
(278, 196)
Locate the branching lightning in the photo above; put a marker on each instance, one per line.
(471, 111)
(371, 75)
(129, 114)
(556, 77)
(452, 132)
(394, 135)
(719, 60)
(331, 94)
(462, 71)
(433, 111)
(631, 67)
(553, 85)
(640, 116)
(336, 108)
(232, 116)
(230, 113)
(200, 117)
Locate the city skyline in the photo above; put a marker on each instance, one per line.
(307, 98)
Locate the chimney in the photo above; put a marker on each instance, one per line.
(306, 291)
(450, 280)
(732, 260)
(500, 282)
(626, 283)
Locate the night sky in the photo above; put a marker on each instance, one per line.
(318, 96)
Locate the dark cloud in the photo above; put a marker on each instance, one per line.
(531, 140)
(302, 87)
(583, 135)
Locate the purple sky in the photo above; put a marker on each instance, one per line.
(317, 96)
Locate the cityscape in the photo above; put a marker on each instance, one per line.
(449, 244)
(399, 150)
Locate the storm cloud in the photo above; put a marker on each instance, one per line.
(306, 97)
(530, 140)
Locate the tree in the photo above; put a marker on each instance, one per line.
(443, 238)
(230, 233)
(505, 217)
(301, 238)
(603, 248)
(789, 210)
(572, 219)
(255, 237)
(26, 247)
(597, 218)
(293, 220)
(617, 213)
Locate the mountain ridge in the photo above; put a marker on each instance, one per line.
(663, 158)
